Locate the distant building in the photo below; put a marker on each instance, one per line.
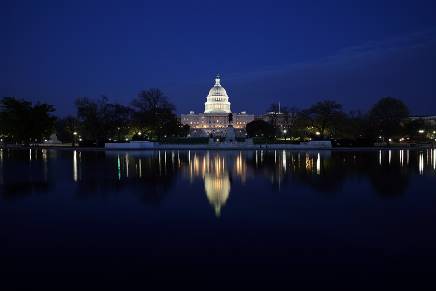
(217, 115)
(281, 120)
(428, 119)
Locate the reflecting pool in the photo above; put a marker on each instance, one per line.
(245, 217)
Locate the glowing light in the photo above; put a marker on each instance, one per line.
(318, 133)
(139, 133)
(119, 167)
(127, 165)
(284, 160)
(309, 163)
(1, 166)
(390, 139)
(75, 133)
(159, 163)
(178, 159)
(401, 157)
(421, 131)
(217, 188)
(421, 163)
(434, 159)
(240, 167)
(75, 166)
(318, 164)
(390, 156)
(379, 157)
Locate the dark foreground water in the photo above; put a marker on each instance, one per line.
(278, 218)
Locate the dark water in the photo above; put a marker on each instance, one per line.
(231, 218)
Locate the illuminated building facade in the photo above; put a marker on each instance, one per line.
(217, 115)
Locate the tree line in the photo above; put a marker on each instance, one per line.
(149, 116)
(386, 121)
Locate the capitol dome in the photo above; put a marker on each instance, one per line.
(217, 101)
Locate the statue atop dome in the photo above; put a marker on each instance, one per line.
(217, 80)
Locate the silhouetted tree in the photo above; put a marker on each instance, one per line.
(65, 127)
(386, 116)
(23, 122)
(154, 115)
(259, 127)
(324, 116)
(100, 120)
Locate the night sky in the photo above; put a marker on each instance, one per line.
(295, 52)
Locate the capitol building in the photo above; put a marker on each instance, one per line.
(217, 116)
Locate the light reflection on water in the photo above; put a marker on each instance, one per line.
(421, 163)
(218, 171)
(75, 176)
(434, 159)
(1, 166)
(267, 212)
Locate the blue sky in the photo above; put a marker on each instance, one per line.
(295, 52)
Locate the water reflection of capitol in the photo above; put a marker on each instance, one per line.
(218, 171)
(214, 169)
